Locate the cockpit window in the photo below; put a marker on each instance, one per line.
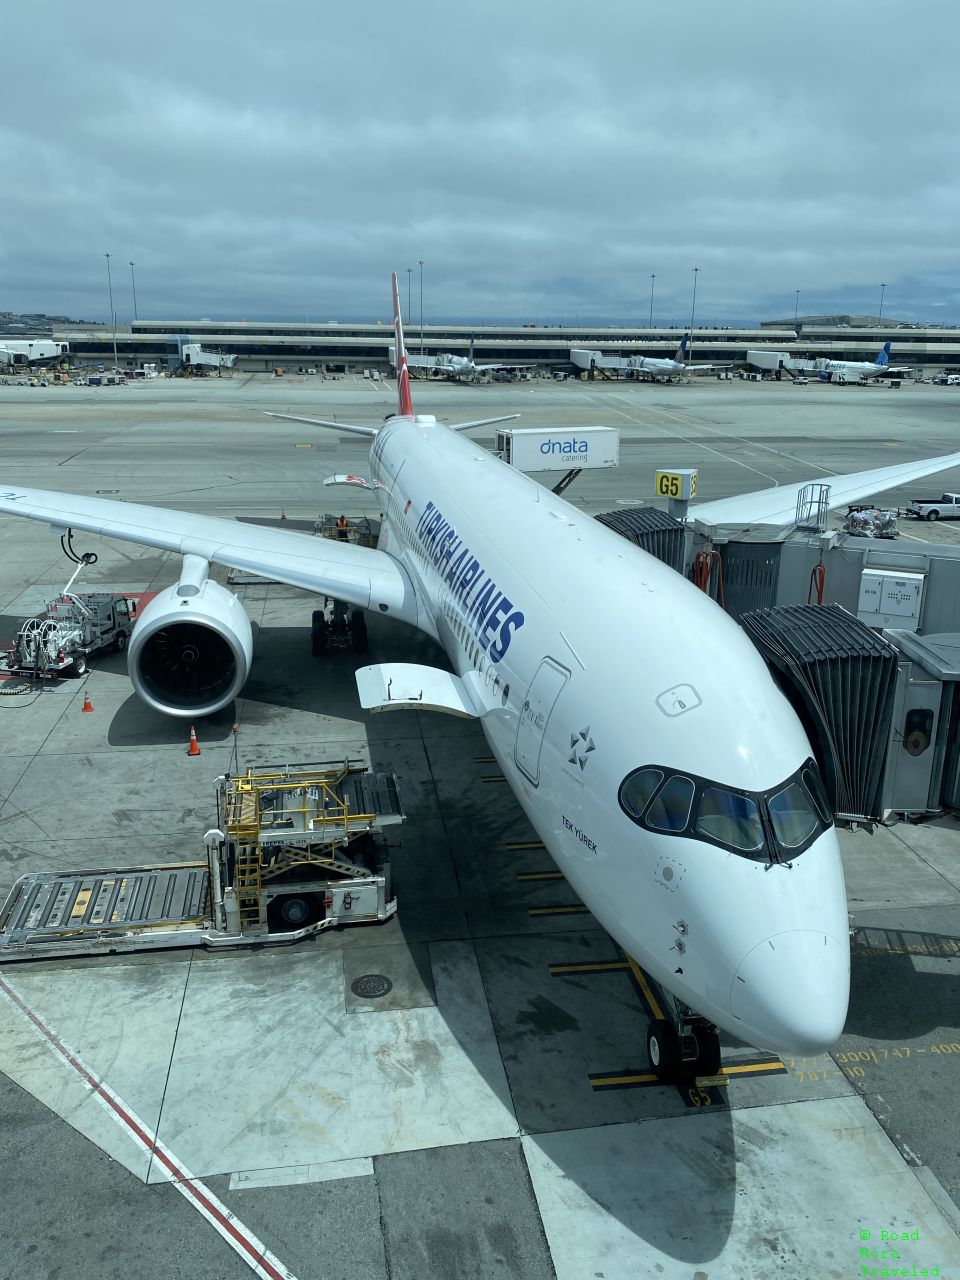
(793, 815)
(730, 819)
(671, 809)
(813, 783)
(771, 826)
(637, 790)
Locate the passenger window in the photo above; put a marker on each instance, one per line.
(670, 810)
(636, 791)
(792, 815)
(731, 819)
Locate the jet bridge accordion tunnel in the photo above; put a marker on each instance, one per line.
(882, 711)
(841, 678)
(651, 530)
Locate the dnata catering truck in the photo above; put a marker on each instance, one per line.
(540, 449)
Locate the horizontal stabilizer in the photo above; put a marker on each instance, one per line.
(358, 482)
(348, 428)
(482, 422)
(406, 686)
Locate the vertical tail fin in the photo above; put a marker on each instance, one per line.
(883, 359)
(682, 349)
(404, 401)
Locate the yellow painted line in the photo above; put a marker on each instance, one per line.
(303, 446)
(607, 1082)
(756, 1068)
(493, 777)
(944, 948)
(598, 966)
(540, 875)
(524, 844)
(557, 911)
(641, 978)
(484, 760)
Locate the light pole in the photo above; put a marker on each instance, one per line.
(693, 310)
(133, 282)
(882, 287)
(113, 314)
(796, 308)
(420, 265)
(652, 278)
(409, 273)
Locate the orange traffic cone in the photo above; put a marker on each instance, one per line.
(87, 704)
(194, 747)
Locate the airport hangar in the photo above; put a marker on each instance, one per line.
(492, 1114)
(350, 348)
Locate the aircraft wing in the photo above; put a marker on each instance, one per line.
(359, 576)
(778, 506)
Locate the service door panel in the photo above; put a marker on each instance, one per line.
(539, 701)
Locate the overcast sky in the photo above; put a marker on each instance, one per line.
(542, 158)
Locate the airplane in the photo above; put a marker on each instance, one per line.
(859, 370)
(444, 365)
(643, 366)
(636, 724)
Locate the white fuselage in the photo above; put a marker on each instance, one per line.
(858, 369)
(658, 368)
(597, 660)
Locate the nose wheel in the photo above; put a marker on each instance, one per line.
(683, 1045)
(663, 1049)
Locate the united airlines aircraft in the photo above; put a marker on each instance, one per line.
(859, 370)
(635, 722)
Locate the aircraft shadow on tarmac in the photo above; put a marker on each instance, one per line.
(890, 997)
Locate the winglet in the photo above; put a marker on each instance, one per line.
(404, 401)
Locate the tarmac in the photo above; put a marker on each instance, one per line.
(494, 1116)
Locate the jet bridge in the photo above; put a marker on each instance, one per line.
(296, 850)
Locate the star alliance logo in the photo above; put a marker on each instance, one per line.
(581, 744)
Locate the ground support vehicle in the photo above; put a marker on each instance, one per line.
(360, 530)
(336, 626)
(296, 851)
(59, 641)
(946, 507)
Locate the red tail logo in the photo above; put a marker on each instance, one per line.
(403, 373)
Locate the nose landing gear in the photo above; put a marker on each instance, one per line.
(684, 1046)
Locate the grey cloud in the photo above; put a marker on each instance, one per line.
(542, 159)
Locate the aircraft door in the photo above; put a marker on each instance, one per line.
(545, 688)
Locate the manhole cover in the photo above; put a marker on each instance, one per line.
(370, 986)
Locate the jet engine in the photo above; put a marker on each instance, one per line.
(191, 649)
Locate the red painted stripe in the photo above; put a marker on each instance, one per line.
(184, 1179)
(405, 400)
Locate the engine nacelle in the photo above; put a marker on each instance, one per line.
(191, 649)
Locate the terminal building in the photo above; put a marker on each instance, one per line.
(352, 348)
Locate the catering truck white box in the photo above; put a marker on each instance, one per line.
(540, 449)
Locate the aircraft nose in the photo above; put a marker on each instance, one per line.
(791, 992)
